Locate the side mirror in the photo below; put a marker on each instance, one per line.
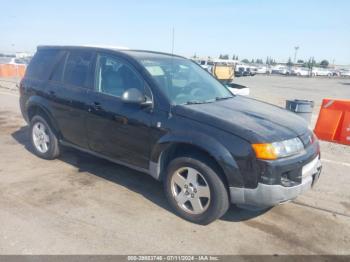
(135, 96)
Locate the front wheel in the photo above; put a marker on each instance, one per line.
(195, 190)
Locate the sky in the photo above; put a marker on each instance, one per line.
(249, 29)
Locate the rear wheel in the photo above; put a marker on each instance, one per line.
(195, 190)
(43, 139)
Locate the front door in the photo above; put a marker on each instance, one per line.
(117, 129)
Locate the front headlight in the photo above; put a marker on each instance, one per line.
(278, 149)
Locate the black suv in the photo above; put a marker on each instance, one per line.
(164, 115)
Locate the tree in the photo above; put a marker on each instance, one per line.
(311, 63)
(259, 61)
(267, 61)
(220, 56)
(324, 63)
(300, 61)
(233, 57)
(245, 61)
(226, 57)
(289, 63)
(270, 61)
(252, 61)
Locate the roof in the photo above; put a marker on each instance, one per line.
(131, 52)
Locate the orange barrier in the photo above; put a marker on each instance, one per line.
(333, 123)
(12, 70)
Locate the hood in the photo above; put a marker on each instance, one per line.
(253, 120)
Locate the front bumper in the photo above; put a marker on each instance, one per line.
(265, 195)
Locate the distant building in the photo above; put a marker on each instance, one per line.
(23, 54)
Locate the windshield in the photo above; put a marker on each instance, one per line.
(184, 82)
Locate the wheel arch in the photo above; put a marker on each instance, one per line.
(172, 146)
(38, 106)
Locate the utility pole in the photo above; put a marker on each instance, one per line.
(295, 53)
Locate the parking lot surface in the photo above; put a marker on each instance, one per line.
(80, 204)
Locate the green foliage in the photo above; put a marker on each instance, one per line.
(311, 63)
(225, 57)
(289, 63)
(270, 61)
(324, 63)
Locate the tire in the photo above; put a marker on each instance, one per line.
(43, 140)
(215, 200)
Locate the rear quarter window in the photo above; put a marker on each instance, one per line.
(57, 72)
(42, 64)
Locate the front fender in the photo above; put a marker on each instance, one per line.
(204, 142)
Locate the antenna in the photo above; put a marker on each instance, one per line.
(173, 41)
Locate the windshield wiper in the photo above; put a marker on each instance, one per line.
(196, 102)
(223, 98)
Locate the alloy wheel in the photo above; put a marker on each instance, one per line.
(190, 190)
(41, 138)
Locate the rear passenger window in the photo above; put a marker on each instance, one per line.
(42, 63)
(77, 68)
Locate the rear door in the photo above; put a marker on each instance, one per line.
(116, 129)
(71, 81)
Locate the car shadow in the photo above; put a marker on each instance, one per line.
(238, 214)
(135, 181)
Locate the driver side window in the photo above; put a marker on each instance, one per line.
(114, 76)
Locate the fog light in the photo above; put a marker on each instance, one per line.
(287, 181)
(284, 179)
